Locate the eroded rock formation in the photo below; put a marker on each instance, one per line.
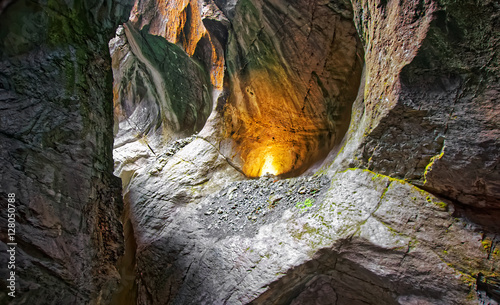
(168, 62)
(431, 96)
(293, 71)
(160, 95)
(399, 96)
(56, 151)
(359, 237)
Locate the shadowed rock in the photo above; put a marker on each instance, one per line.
(56, 150)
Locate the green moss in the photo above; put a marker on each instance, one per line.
(304, 205)
(440, 204)
(376, 176)
(486, 245)
(185, 81)
(67, 24)
(395, 232)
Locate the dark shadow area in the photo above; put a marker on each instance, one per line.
(126, 293)
(329, 278)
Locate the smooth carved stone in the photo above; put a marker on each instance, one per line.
(362, 237)
(184, 22)
(160, 95)
(196, 230)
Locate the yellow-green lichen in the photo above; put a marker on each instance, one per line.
(440, 204)
(305, 204)
(486, 245)
(306, 230)
(376, 176)
(428, 168)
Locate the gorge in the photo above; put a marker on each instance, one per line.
(251, 151)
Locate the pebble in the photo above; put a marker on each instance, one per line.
(260, 200)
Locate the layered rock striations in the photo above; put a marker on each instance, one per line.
(430, 111)
(56, 151)
(342, 236)
(195, 25)
(360, 238)
(293, 70)
(160, 95)
(399, 96)
(168, 63)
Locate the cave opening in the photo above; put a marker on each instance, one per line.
(167, 68)
(292, 85)
(281, 104)
(287, 101)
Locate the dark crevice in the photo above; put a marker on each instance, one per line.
(126, 293)
(185, 31)
(217, 30)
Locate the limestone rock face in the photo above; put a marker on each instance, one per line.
(207, 235)
(430, 99)
(399, 96)
(362, 238)
(194, 25)
(160, 95)
(56, 150)
(293, 71)
(168, 63)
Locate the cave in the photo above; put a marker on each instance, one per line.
(290, 98)
(249, 152)
(284, 104)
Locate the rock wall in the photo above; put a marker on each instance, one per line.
(293, 71)
(403, 211)
(430, 111)
(198, 26)
(168, 65)
(160, 95)
(360, 238)
(56, 150)
(206, 234)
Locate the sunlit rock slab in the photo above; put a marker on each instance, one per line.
(366, 239)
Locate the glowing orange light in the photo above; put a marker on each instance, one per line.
(269, 167)
(179, 21)
(274, 159)
(277, 128)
